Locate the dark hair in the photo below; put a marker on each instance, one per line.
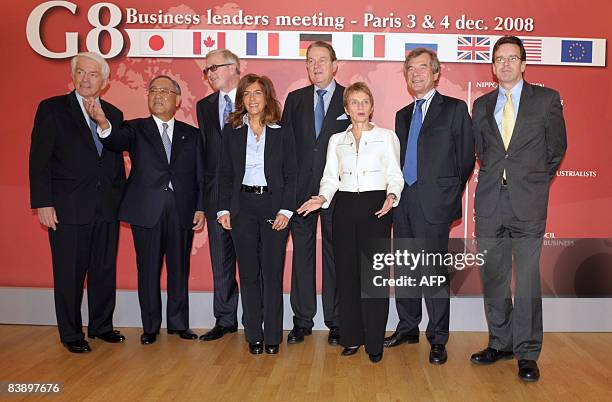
(272, 110)
(358, 87)
(512, 40)
(176, 85)
(320, 43)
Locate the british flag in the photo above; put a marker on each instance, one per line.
(474, 48)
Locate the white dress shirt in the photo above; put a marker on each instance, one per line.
(374, 167)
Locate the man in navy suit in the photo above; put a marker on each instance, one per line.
(163, 201)
(222, 69)
(75, 187)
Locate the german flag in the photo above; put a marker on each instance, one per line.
(308, 38)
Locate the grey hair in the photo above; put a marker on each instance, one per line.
(228, 55)
(177, 87)
(104, 67)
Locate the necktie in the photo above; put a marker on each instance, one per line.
(166, 140)
(507, 123)
(167, 146)
(410, 163)
(227, 110)
(94, 133)
(319, 111)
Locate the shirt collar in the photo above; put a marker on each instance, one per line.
(515, 92)
(330, 88)
(231, 94)
(159, 123)
(245, 121)
(428, 95)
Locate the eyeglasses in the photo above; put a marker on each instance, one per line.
(510, 59)
(165, 92)
(214, 67)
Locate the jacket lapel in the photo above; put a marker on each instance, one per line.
(82, 123)
(214, 104)
(271, 140)
(307, 100)
(178, 140)
(154, 136)
(241, 150)
(404, 122)
(490, 105)
(334, 110)
(434, 109)
(524, 108)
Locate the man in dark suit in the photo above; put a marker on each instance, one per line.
(437, 154)
(314, 113)
(222, 69)
(520, 142)
(75, 186)
(163, 202)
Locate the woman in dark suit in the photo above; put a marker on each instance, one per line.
(256, 200)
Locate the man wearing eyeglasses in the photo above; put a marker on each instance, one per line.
(222, 70)
(75, 187)
(163, 202)
(520, 142)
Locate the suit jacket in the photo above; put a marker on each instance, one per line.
(298, 115)
(445, 155)
(279, 167)
(208, 122)
(143, 201)
(535, 151)
(65, 170)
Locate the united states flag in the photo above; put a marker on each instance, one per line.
(533, 47)
(473, 48)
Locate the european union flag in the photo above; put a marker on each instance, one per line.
(577, 51)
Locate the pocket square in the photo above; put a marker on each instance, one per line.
(342, 117)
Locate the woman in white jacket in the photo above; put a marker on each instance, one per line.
(363, 172)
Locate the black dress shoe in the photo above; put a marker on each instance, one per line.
(110, 337)
(183, 333)
(297, 334)
(375, 358)
(490, 356)
(78, 346)
(349, 351)
(217, 332)
(148, 338)
(271, 349)
(400, 337)
(437, 354)
(334, 336)
(528, 370)
(256, 348)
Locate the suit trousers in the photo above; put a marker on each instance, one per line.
(362, 319)
(514, 326)
(78, 251)
(304, 266)
(261, 260)
(167, 238)
(409, 223)
(223, 262)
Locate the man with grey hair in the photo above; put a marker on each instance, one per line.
(75, 187)
(222, 70)
(163, 202)
(437, 155)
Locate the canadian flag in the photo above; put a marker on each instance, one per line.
(205, 41)
(156, 43)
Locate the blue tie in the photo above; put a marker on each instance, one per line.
(410, 163)
(94, 133)
(227, 110)
(319, 111)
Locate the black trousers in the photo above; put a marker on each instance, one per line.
(167, 238)
(513, 326)
(78, 251)
(304, 267)
(261, 259)
(409, 223)
(362, 319)
(223, 262)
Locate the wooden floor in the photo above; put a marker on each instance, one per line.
(574, 366)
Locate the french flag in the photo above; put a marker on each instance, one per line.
(262, 44)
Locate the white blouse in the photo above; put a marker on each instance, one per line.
(375, 166)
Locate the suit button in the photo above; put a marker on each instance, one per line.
(506, 156)
(98, 185)
(316, 150)
(99, 163)
(166, 189)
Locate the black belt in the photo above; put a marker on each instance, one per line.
(254, 189)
